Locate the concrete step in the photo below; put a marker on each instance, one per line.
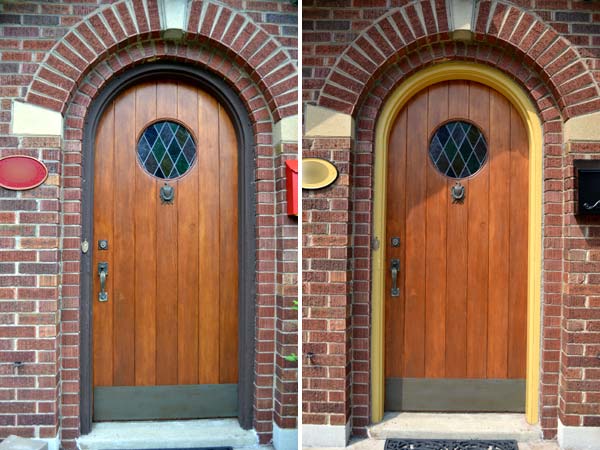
(169, 434)
(455, 426)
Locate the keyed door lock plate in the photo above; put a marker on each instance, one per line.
(102, 244)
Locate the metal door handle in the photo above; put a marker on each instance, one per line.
(395, 267)
(103, 273)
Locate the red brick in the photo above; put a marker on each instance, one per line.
(415, 21)
(509, 24)
(497, 18)
(126, 19)
(140, 17)
(209, 18)
(153, 15)
(49, 91)
(234, 28)
(221, 24)
(405, 31)
(113, 23)
(98, 26)
(194, 16)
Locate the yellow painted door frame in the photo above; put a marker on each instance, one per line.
(513, 92)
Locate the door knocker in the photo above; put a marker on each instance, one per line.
(167, 194)
(458, 193)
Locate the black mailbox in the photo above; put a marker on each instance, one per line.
(588, 178)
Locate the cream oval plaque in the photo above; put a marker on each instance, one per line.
(318, 173)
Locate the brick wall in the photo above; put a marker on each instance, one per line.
(326, 317)
(286, 393)
(355, 54)
(580, 326)
(60, 56)
(29, 284)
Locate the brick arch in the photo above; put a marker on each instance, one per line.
(150, 51)
(129, 23)
(405, 35)
(500, 58)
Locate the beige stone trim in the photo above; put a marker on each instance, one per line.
(325, 122)
(174, 14)
(583, 128)
(285, 131)
(461, 14)
(31, 119)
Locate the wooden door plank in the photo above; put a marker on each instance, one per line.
(477, 199)
(498, 236)
(228, 277)
(457, 254)
(124, 238)
(167, 268)
(519, 188)
(395, 227)
(146, 195)
(414, 268)
(188, 249)
(435, 266)
(209, 235)
(103, 229)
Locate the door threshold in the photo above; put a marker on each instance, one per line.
(168, 434)
(455, 426)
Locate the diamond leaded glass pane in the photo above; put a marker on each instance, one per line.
(166, 149)
(458, 149)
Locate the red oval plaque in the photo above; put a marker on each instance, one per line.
(19, 172)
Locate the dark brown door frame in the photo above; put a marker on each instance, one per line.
(247, 234)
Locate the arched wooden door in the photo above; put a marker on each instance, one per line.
(165, 320)
(456, 283)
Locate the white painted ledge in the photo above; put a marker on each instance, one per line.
(31, 119)
(578, 438)
(325, 122)
(325, 435)
(285, 438)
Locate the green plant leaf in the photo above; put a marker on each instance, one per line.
(291, 358)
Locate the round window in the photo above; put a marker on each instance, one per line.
(458, 149)
(166, 149)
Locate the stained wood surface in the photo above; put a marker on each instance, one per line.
(462, 307)
(171, 316)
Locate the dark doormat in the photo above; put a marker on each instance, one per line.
(448, 444)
